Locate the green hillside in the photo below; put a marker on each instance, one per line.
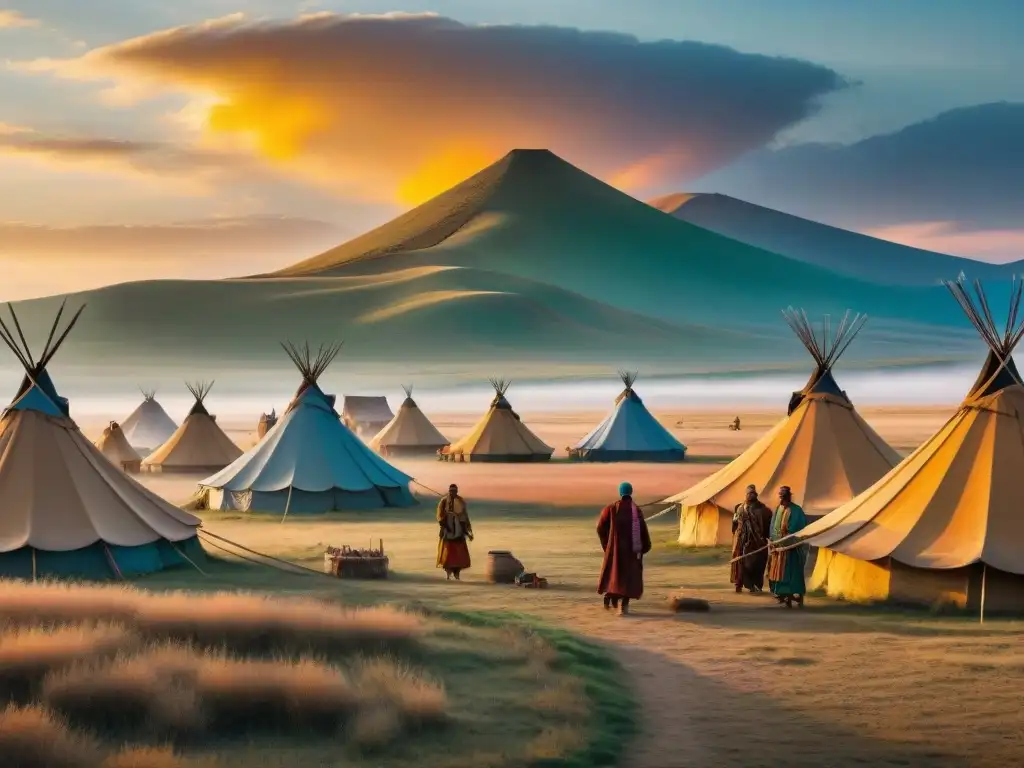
(533, 215)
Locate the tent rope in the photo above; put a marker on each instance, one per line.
(204, 533)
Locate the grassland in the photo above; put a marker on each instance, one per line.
(115, 676)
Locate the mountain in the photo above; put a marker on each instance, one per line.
(838, 250)
(533, 215)
(530, 265)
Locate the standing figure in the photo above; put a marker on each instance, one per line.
(751, 524)
(454, 529)
(786, 568)
(625, 540)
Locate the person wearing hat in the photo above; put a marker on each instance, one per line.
(625, 540)
(751, 522)
(786, 567)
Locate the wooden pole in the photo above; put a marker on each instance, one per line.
(33, 565)
(288, 503)
(984, 573)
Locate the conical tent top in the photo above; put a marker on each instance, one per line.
(148, 395)
(825, 350)
(999, 370)
(408, 402)
(628, 379)
(199, 390)
(500, 388)
(311, 365)
(37, 391)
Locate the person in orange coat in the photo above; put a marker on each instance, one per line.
(625, 540)
(455, 528)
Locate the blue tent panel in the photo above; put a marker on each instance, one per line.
(94, 562)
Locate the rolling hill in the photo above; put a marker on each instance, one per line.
(535, 216)
(529, 264)
(838, 250)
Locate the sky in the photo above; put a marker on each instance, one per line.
(211, 138)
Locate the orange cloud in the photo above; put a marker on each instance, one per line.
(390, 107)
(14, 20)
(949, 237)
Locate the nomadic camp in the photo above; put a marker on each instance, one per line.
(823, 450)
(500, 436)
(199, 445)
(266, 422)
(410, 433)
(309, 461)
(366, 415)
(67, 511)
(629, 433)
(148, 425)
(114, 445)
(945, 526)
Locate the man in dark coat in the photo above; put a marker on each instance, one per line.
(751, 524)
(625, 540)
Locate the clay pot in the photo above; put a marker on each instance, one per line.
(502, 567)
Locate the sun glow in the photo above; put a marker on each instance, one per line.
(444, 170)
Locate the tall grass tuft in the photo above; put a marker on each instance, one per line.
(255, 625)
(57, 602)
(27, 655)
(34, 737)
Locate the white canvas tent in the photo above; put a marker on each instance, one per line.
(823, 450)
(946, 525)
(199, 445)
(629, 433)
(65, 510)
(148, 425)
(410, 433)
(309, 461)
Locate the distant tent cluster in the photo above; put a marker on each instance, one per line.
(67, 511)
(823, 450)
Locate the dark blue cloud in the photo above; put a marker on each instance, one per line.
(964, 166)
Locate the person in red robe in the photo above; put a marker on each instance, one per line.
(454, 528)
(625, 540)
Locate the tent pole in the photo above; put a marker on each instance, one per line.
(288, 503)
(984, 572)
(33, 565)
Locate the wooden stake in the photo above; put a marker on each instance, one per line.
(288, 503)
(984, 572)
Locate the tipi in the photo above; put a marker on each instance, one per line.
(366, 415)
(823, 450)
(114, 445)
(410, 433)
(945, 526)
(148, 425)
(65, 511)
(500, 436)
(199, 445)
(266, 421)
(309, 461)
(629, 433)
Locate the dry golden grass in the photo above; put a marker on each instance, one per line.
(149, 757)
(254, 624)
(27, 654)
(34, 737)
(60, 602)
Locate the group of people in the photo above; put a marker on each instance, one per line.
(754, 529)
(625, 540)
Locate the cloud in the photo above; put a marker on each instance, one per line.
(374, 105)
(41, 260)
(13, 20)
(188, 165)
(948, 237)
(961, 168)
